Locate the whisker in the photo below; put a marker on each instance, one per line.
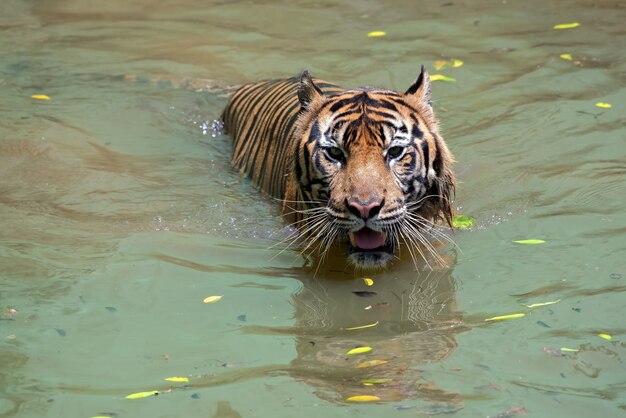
(422, 239)
(303, 235)
(322, 228)
(305, 202)
(413, 203)
(432, 229)
(412, 237)
(306, 211)
(408, 246)
(329, 239)
(305, 220)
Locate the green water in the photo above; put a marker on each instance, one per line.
(119, 214)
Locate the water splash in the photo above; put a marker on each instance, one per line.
(214, 128)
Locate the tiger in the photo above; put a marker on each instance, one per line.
(365, 167)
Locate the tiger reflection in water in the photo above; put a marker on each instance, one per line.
(416, 325)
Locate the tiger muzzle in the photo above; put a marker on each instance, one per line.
(366, 238)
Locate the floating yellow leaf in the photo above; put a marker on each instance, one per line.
(371, 363)
(359, 350)
(361, 327)
(370, 382)
(440, 64)
(212, 299)
(567, 57)
(177, 379)
(457, 63)
(569, 350)
(376, 34)
(536, 305)
(604, 105)
(363, 398)
(505, 317)
(529, 241)
(566, 25)
(40, 97)
(140, 395)
(368, 281)
(463, 221)
(605, 336)
(441, 77)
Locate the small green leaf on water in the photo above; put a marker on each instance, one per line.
(212, 299)
(566, 25)
(457, 63)
(359, 350)
(505, 317)
(536, 305)
(442, 64)
(441, 77)
(529, 241)
(368, 281)
(569, 350)
(363, 398)
(140, 395)
(362, 326)
(370, 382)
(177, 379)
(463, 221)
(604, 105)
(605, 336)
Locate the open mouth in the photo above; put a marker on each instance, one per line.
(369, 248)
(367, 239)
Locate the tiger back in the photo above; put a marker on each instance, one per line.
(261, 119)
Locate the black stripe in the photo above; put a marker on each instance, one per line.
(437, 160)
(371, 102)
(257, 125)
(426, 154)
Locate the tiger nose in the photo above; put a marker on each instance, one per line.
(364, 210)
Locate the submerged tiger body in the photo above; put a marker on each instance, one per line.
(365, 166)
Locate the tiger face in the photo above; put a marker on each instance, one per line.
(372, 170)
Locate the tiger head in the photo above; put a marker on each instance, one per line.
(372, 170)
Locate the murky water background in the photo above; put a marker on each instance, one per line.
(119, 213)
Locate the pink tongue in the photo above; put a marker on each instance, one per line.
(368, 239)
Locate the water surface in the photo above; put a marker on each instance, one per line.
(119, 214)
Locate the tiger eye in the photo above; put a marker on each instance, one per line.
(395, 152)
(335, 153)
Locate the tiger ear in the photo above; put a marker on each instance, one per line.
(307, 90)
(420, 88)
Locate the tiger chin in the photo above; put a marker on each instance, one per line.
(365, 168)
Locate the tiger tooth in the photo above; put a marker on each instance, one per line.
(352, 239)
